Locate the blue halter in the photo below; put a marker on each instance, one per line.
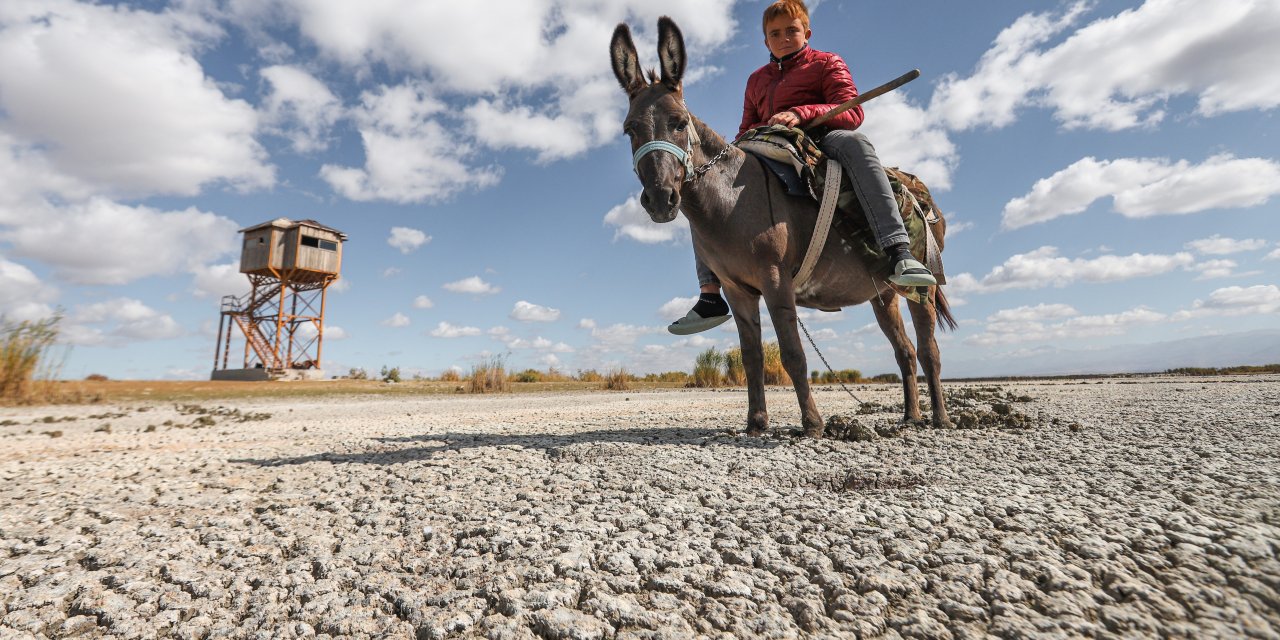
(685, 156)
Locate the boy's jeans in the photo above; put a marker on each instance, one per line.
(862, 167)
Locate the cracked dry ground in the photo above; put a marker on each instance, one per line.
(1146, 508)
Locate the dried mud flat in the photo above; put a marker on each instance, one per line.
(1119, 507)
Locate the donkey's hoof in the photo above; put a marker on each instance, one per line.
(943, 423)
(755, 432)
(813, 432)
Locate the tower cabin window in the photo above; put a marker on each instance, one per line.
(327, 245)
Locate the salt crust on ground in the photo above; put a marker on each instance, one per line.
(1138, 508)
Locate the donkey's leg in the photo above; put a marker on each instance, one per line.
(925, 319)
(746, 313)
(782, 310)
(885, 307)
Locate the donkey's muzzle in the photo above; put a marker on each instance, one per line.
(662, 203)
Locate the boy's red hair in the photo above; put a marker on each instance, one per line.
(789, 8)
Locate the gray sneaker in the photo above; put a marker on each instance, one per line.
(693, 323)
(910, 273)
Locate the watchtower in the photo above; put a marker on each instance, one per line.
(290, 266)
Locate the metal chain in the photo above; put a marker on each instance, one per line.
(698, 171)
(824, 361)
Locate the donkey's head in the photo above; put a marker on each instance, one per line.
(657, 119)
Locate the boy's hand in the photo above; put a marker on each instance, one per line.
(785, 118)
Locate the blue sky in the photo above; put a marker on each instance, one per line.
(1109, 170)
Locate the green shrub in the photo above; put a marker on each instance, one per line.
(774, 372)
(389, 375)
(734, 373)
(706, 369)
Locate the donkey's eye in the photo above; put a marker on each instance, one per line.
(680, 127)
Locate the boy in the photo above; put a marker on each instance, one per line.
(799, 84)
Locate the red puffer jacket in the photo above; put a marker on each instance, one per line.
(808, 82)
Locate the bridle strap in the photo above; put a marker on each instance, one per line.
(684, 155)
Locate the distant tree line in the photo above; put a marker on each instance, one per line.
(1225, 371)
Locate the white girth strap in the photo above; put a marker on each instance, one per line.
(933, 256)
(825, 213)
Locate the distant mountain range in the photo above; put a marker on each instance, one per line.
(1247, 348)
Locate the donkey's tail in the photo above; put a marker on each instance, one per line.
(946, 321)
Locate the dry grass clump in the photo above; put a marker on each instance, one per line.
(25, 370)
(451, 375)
(774, 372)
(589, 375)
(706, 369)
(831, 377)
(617, 379)
(490, 376)
(552, 374)
(734, 373)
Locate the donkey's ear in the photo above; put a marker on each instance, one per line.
(670, 52)
(626, 64)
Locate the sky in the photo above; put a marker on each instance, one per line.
(1110, 171)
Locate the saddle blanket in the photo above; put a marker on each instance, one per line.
(788, 150)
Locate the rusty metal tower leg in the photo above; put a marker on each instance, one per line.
(324, 289)
(284, 291)
(217, 348)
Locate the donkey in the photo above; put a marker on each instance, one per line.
(754, 236)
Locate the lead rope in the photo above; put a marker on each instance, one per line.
(824, 361)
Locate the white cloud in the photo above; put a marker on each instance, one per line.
(906, 136)
(586, 323)
(1120, 71)
(422, 302)
(1057, 322)
(120, 321)
(618, 335)
(547, 47)
(102, 242)
(217, 280)
(396, 321)
(529, 312)
(1216, 245)
(534, 43)
(677, 307)
(409, 155)
(299, 107)
(1213, 269)
(1143, 187)
(633, 222)
(1044, 267)
(60, 56)
(811, 316)
(1235, 301)
(407, 240)
(23, 296)
(1274, 255)
(472, 285)
(539, 344)
(390, 272)
(446, 330)
(331, 332)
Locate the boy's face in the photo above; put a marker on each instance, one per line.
(785, 36)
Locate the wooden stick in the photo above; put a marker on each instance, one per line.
(874, 93)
